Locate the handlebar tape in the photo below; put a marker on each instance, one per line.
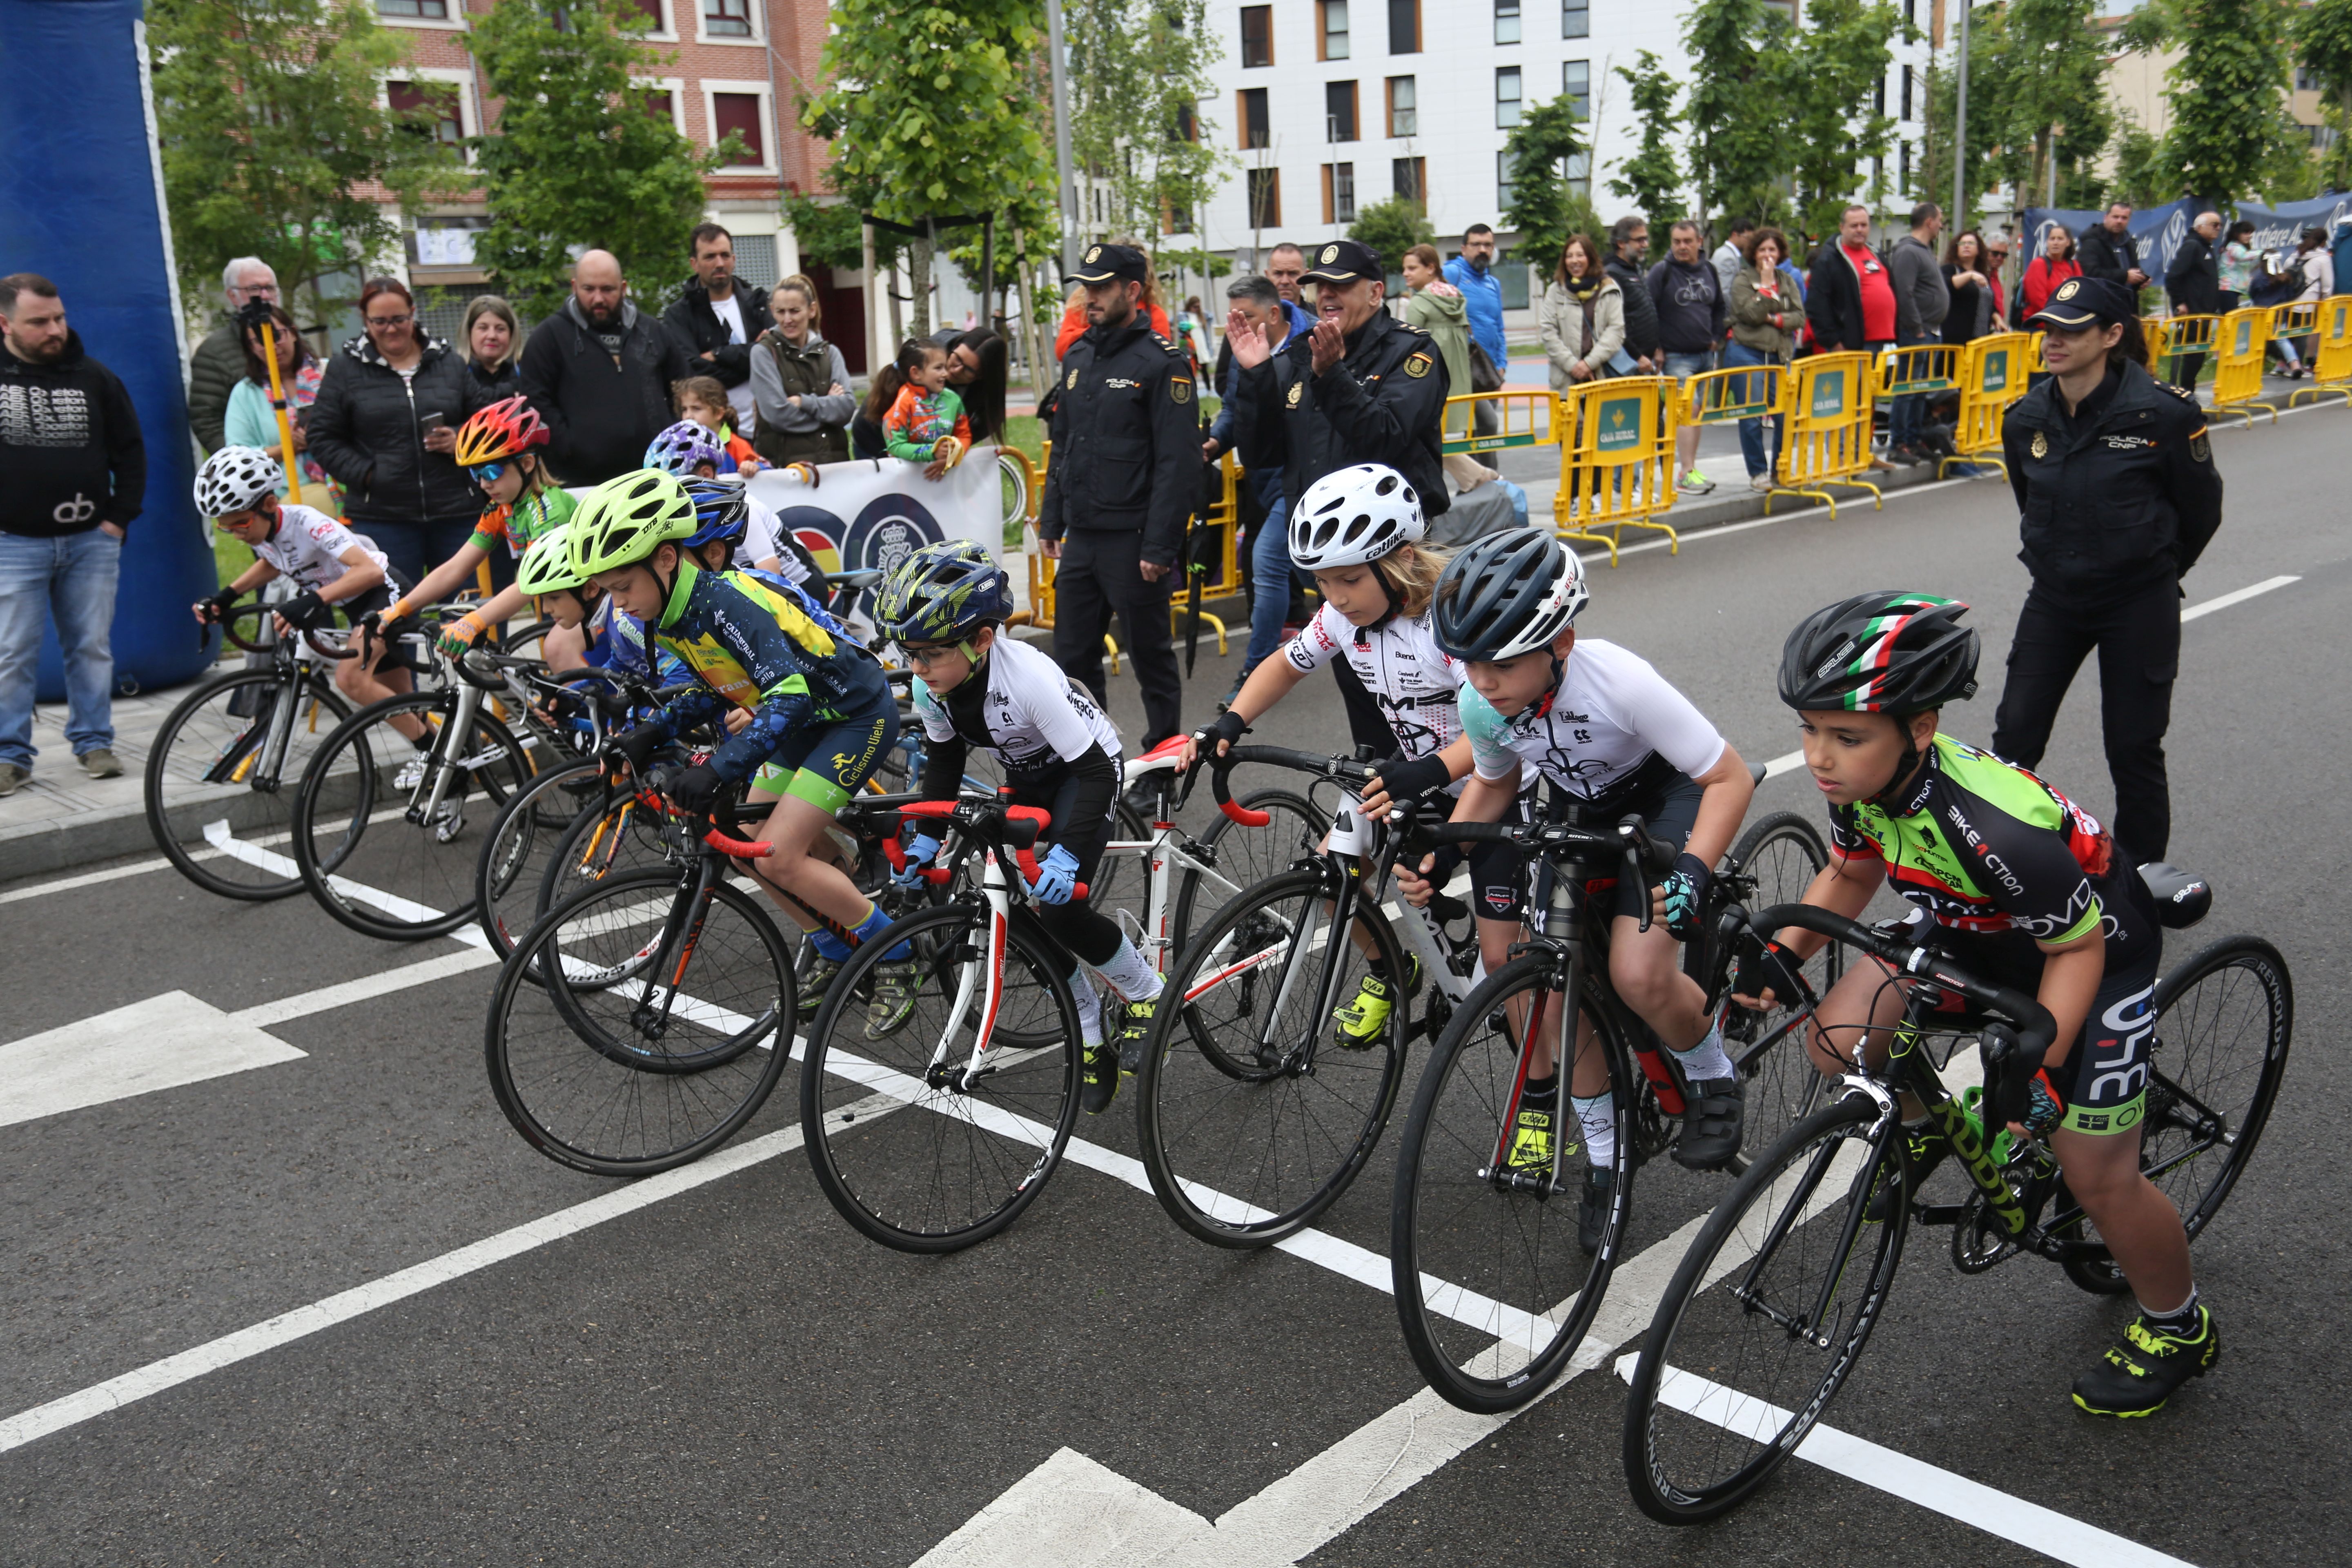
(2037, 1030)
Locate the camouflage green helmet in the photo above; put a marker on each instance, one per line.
(943, 592)
(624, 519)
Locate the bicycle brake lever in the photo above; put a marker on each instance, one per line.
(1633, 873)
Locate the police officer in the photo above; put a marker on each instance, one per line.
(2114, 474)
(1124, 479)
(1362, 387)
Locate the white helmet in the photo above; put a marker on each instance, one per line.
(234, 478)
(1354, 515)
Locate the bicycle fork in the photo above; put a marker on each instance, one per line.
(982, 983)
(443, 765)
(1558, 914)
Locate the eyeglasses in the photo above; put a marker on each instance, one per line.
(390, 321)
(258, 290)
(924, 658)
(486, 473)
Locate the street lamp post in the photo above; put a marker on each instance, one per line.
(1960, 130)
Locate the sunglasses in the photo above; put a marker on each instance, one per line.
(486, 473)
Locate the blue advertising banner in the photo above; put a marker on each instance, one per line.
(2159, 229)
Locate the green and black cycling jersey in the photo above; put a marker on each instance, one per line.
(757, 646)
(1985, 847)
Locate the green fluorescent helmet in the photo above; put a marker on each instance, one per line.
(546, 567)
(624, 519)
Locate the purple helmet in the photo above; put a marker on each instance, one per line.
(678, 450)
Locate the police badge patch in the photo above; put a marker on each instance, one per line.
(1330, 254)
(2040, 445)
(1295, 388)
(1072, 381)
(1181, 390)
(1417, 366)
(2200, 448)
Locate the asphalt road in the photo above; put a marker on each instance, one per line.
(728, 1375)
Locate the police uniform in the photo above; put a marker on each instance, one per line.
(2118, 499)
(1125, 476)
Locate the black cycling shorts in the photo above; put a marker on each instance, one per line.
(1091, 936)
(1669, 808)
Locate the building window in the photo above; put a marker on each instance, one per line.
(1878, 96)
(1576, 85)
(1903, 164)
(1910, 12)
(1255, 126)
(1257, 36)
(1187, 124)
(1408, 179)
(1575, 18)
(1339, 192)
(1907, 92)
(1404, 116)
(653, 14)
(1506, 96)
(662, 107)
(1503, 181)
(1339, 111)
(1330, 29)
(1404, 27)
(738, 113)
(434, 106)
(1265, 186)
(727, 18)
(1578, 169)
(428, 10)
(2305, 81)
(1507, 21)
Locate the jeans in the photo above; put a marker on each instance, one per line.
(1682, 367)
(1906, 415)
(1751, 431)
(71, 577)
(1270, 578)
(415, 547)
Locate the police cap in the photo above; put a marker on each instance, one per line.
(1345, 261)
(2081, 302)
(1112, 263)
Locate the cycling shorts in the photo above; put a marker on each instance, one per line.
(1669, 807)
(831, 761)
(1090, 934)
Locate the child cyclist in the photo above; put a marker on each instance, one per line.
(945, 605)
(688, 452)
(2037, 903)
(1614, 736)
(702, 400)
(821, 712)
(1359, 529)
(333, 568)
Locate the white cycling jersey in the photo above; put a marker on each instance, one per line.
(1417, 684)
(1033, 716)
(764, 536)
(307, 547)
(1611, 713)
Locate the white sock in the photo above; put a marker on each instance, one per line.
(1089, 1001)
(1598, 1117)
(1706, 1059)
(1129, 974)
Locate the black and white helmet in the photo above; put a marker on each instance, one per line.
(1509, 593)
(1352, 516)
(234, 478)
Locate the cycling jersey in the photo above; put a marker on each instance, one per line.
(616, 641)
(1613, 726)
(805, 600)
(764, 536)
(1044, 727)
(1417, 684)
(752, 646)
(521, 524)
(307, 547)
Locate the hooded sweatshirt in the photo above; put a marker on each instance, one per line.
(605, 393)
(69, 445)
(1443, 312)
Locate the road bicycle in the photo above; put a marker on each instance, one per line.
(1769, 1312)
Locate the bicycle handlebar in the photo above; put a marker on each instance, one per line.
(1013, 827)
(1344, 770)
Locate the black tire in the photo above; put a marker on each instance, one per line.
(1780, 854)
(1521, 1292)
(2224, 1022)
(596, 845)
(1119, 881)
(521, 844)
(1244, 1146)
(591, 1080)
(351, 830)
(1789, 1234)
(1244, 856)
(205, 771)
(910, 1160)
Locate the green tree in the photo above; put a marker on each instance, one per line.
(272, 128)
(579, 157)
(2323, 45)
(1543, 207)
(1392, 227)
(2048, 98)
(2226, 90)
(2145, 173)
(930, 106)
(1835, 61)
(1736, 155)
(1138, 72)
(1652, 178)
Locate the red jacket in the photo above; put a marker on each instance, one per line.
(2041, 279)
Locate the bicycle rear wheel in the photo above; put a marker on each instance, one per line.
(1244, 856)
(1766, 1317)
(661, 1033)
(917, 1147)
(223, 776)
(519, 847)
(1782, 853)
(1251, 1116)
(1494, 1289)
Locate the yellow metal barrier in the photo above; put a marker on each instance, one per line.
(1826, 438)
(1522, 416)
(1993, 376)
(2238, 381)
(2171, 339)
(1739, 392)
(1617, 459)
(2331, 367)
(1918, 369)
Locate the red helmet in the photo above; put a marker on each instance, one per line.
(501, 430)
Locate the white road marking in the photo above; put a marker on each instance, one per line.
(368, 987)
(92, 878)
(158, 1044)
(1956, 1496)
(2239, 596)
(1068, 1513)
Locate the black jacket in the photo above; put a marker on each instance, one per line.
(69, 445)
(2125, 494)
(367, 429)
(1689, 305)
(1126, 441)
(2194, 278)
(698, 331)
(1833, 299)
(1382, 404)
(488, 387)
(2103, 256)
(1641, 311)
(600, 411)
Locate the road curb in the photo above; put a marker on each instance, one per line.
(70, 843)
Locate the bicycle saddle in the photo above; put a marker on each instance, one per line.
(2182, 897)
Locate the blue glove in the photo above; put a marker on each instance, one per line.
(918, 854)
(1685, 889)
(1058, 877)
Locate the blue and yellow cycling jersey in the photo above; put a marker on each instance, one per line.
(764, 648)
(616, 641)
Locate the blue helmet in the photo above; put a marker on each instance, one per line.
(943, 592)
(721, 511)
(678, 450)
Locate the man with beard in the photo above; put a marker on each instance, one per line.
(599, 372)
(76, 472)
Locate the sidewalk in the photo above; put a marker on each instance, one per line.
(62, 817)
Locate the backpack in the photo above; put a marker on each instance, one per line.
(2268, 288)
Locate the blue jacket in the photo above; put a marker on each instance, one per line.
(1265, 483)
(1482, 292)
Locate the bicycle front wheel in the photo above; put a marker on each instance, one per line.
(1254, 1109)
(1493, 1289)
(637, 1027)
(223, 776)
(935, 1132)
(1780, 855)
(1767, 1316)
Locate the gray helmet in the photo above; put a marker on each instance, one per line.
(1509, 593)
